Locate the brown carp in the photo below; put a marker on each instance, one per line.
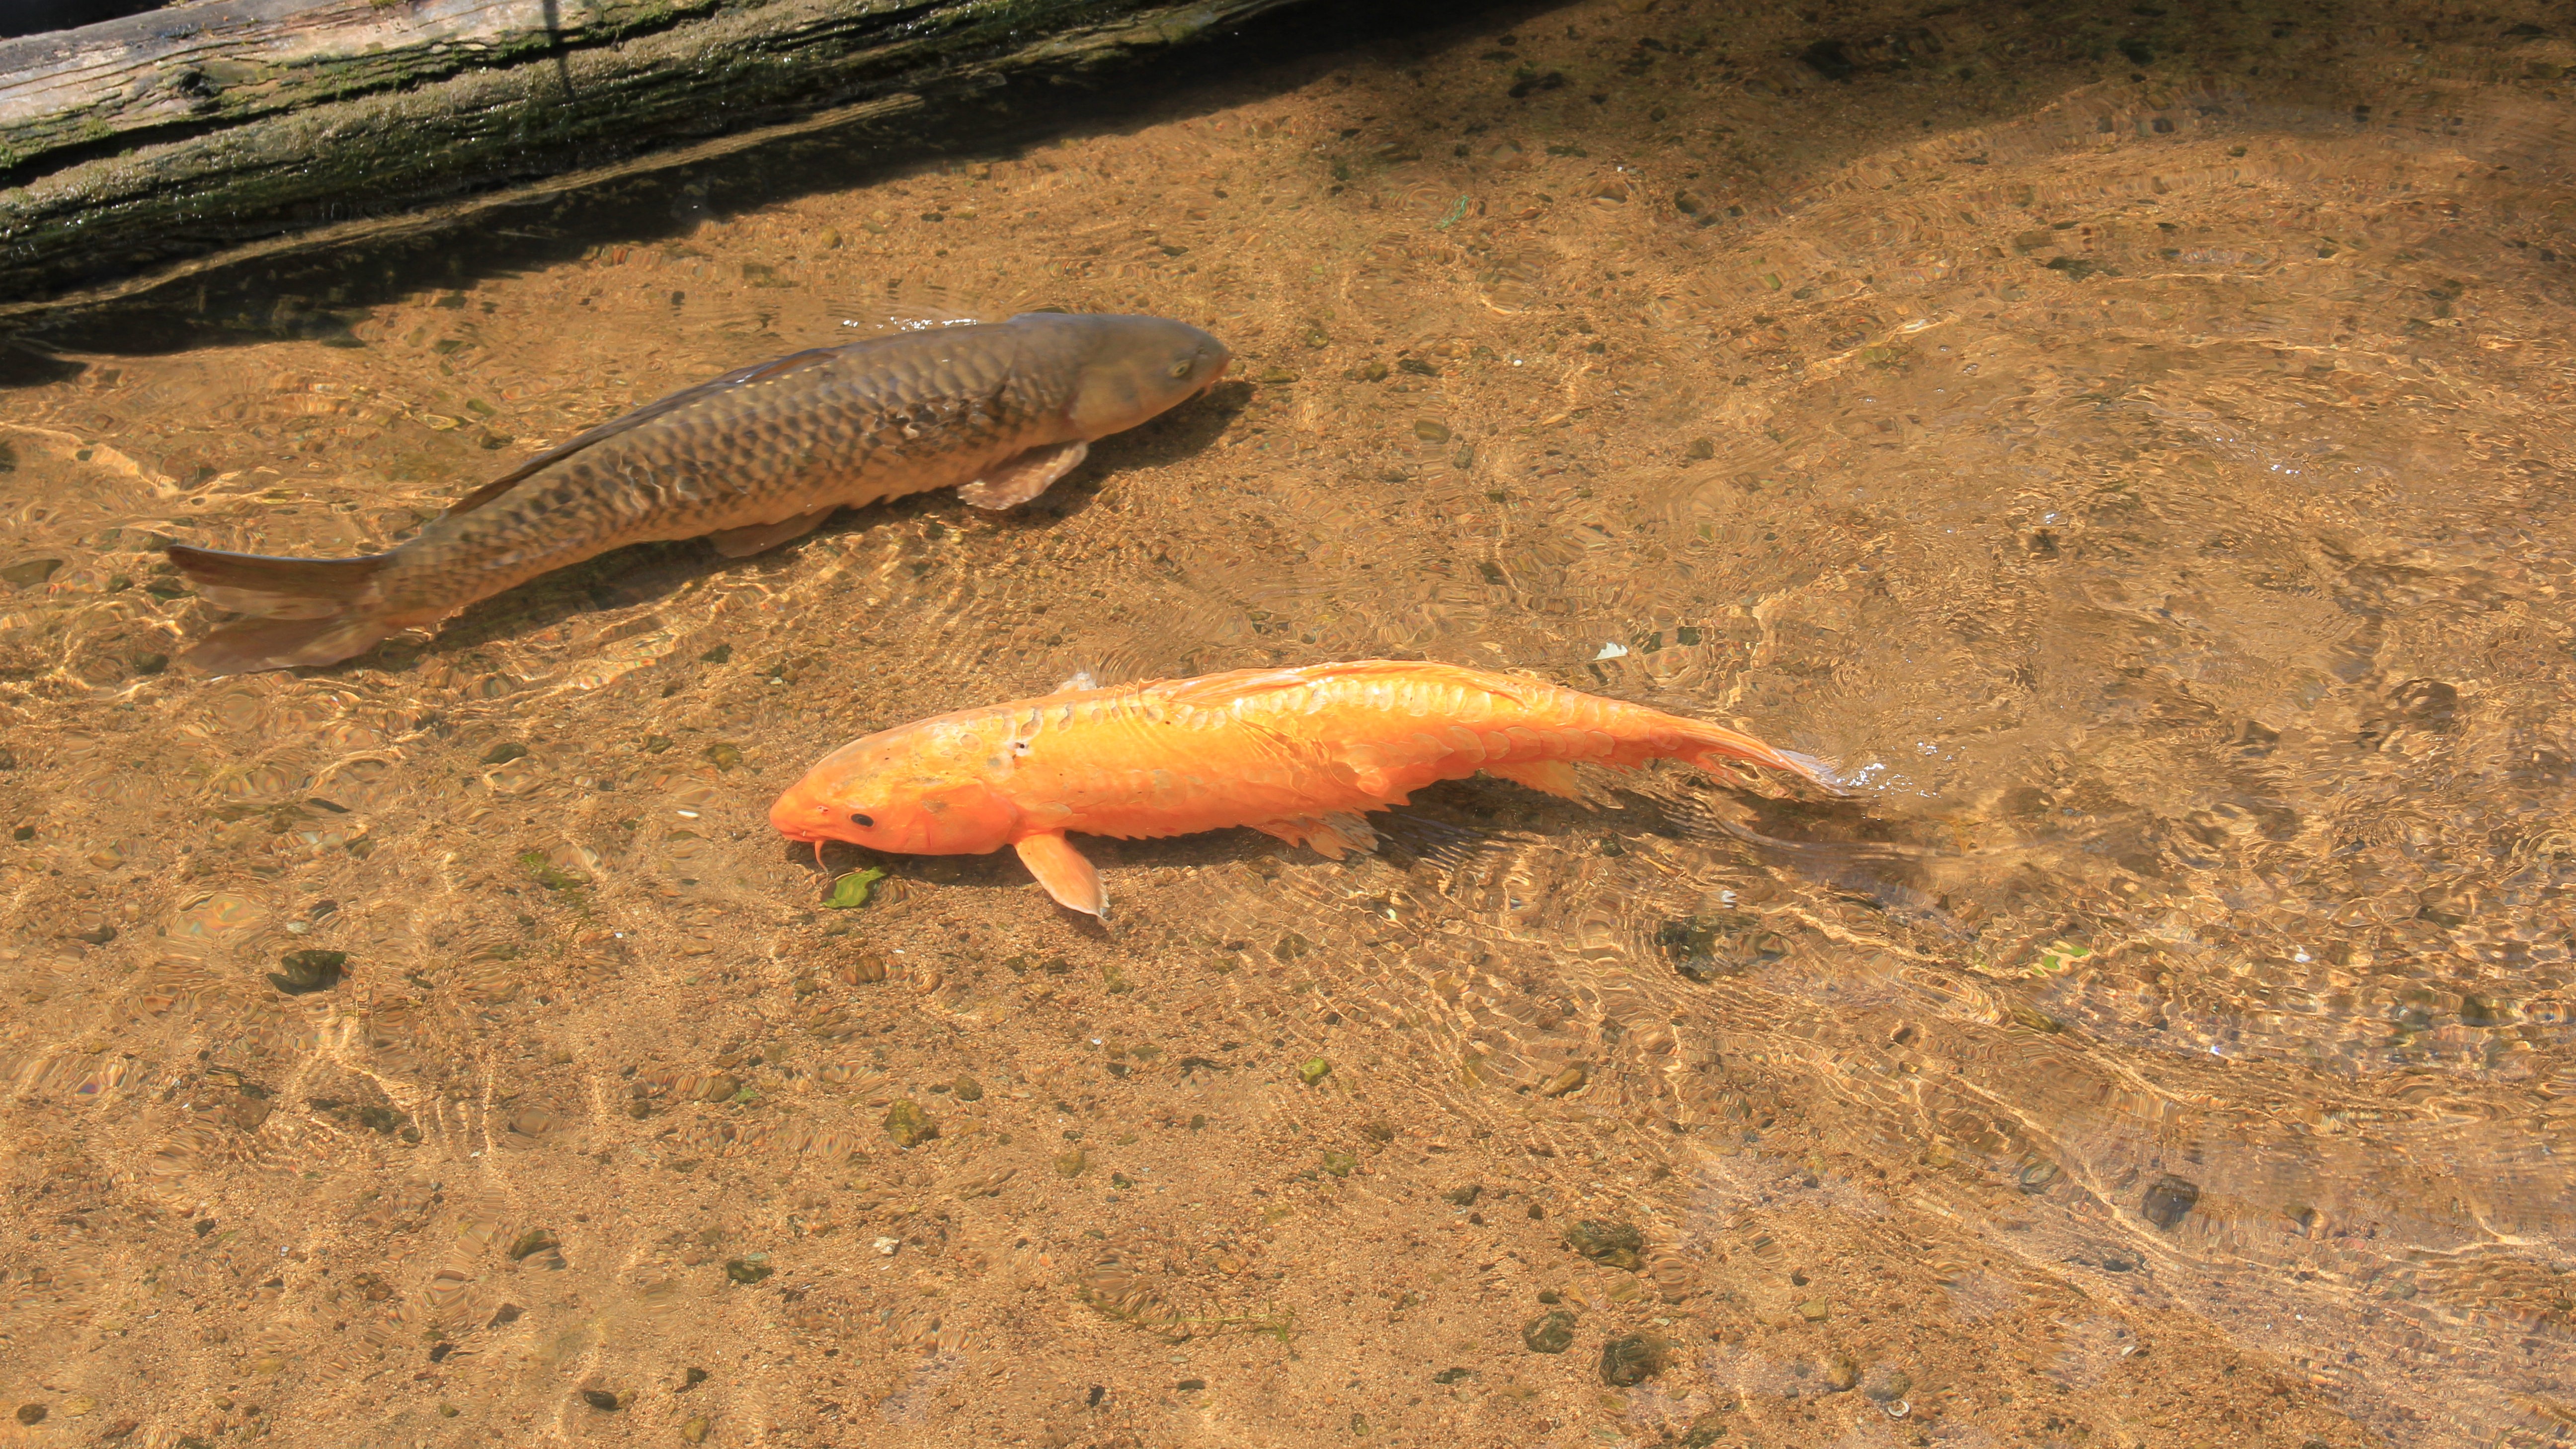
(754, 458)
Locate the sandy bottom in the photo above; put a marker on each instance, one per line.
(2132, 444)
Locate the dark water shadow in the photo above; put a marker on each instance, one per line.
(314, 295)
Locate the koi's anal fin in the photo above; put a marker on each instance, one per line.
(762, 537)
(1067, 875)
(1023, 476)
(1552, 777)
(1332, 836)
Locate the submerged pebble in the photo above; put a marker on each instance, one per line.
(1549, 1332)
(302, 972)
(1632, 1359)
(908, 1125)
(1614, 1244)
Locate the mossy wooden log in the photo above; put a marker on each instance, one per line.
(133, 145)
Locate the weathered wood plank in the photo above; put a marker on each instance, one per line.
(307, 113)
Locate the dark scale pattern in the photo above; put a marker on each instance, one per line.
(875, 420)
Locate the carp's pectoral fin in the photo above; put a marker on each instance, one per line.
(1067, 876)
(1554, 777)
(1023, 476)
(1332, 836)
(762, 537)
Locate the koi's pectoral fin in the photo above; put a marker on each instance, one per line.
(1069, 877)
(762, 537)
(1023, 476)
(1332, 836)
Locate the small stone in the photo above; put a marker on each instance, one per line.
(694, 1431)
(505, 1315)
(1885, 1384)
(724, 757)
(1314, 1070)
(1549, 1332)
(1815, 1310)
(691, 1379)
(1617, 1245)
(2169, 1200)
(717, 655)
(304, 972)
(1842, 1373)
(1704, 1432)
(1277, 376)
(1340, 1164)
(1689, 203)
(1565, 1082)
(504, 754)
(98, 935)
(908, 1125)
(531, 1242)
(1070, 1164)
(27, 575)
(600, 1399)
(150, 664)
(1430, 431)
(1701, 449)
(1452, 1375)
(80, 1404)
(864, 969)
(967, 1089)
(1550, 1295)
(1465, 1196)
(746, 1271)
(30, 1414)
(1631, 1359)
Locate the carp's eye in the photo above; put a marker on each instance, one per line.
(1182, 367)
(862, 821)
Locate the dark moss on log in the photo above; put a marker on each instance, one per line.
(136, 145)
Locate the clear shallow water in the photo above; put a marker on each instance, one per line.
(2144, 479)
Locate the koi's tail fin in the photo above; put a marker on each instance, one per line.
(303, 610)
(1719, 744)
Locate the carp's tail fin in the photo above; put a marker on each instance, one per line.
(303, 610)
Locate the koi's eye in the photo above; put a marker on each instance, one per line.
(1182, 367)
(862, 821)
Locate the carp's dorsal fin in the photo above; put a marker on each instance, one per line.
(1023, 475)
(1069, 877)
(759, 372)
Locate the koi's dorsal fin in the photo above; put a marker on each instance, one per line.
(759, 372)
(1215, 691)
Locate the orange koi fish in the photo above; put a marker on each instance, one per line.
(1301, 754)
